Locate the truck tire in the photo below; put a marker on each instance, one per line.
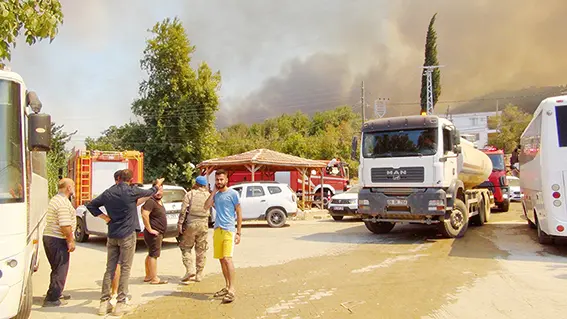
(505, 206)
(81, 235)
(27, 300)
(481, 218)
(458, 222)
(379, 228)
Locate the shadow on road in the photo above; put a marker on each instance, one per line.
(85, 298)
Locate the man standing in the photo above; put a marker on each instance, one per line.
(155, 223)
(193, 226)
(120, 203)
(58, 241)
(227, 204)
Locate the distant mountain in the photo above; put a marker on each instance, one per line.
(526, 99)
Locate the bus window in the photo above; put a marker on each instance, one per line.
(561, 118)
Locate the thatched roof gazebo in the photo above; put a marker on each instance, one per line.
(264, 159)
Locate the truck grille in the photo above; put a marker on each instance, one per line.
(397, 175)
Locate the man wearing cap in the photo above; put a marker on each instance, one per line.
(193, 226)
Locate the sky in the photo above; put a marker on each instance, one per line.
(281, 57)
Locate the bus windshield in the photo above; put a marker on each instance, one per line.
(11, 163)
(415, 142)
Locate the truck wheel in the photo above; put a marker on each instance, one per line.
(81, 231)
(379, 228)
(276, 217)
(505, 206)
(337, 217)
(480, 218)
(457, 223)
(542, 237)
(27, 299)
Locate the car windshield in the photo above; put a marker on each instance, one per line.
(497, 161)
(173, 195)
(514, 182)
(11, 162)
(416, 142)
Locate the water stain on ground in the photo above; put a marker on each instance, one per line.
(409, 276)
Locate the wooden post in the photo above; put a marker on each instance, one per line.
(303, 194)
(322, 190)
(253, 169)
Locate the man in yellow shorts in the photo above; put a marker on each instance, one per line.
(228, 224)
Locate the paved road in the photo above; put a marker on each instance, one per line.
(327, 269)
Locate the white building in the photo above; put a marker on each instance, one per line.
(473, 126)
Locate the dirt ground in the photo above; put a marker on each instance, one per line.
(411, 274)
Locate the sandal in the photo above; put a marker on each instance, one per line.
(228, 298)
(221, 293)
(160, 282)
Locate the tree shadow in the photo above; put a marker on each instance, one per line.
(82, 301)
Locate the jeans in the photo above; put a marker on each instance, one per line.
(119, 250)
(57, 253)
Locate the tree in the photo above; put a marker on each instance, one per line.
(57, 156)
(177, 104)
(39, 19)
(430, 60)
(126, 137)
(510, 124)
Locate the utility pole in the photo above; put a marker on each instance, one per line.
(429, 74)
(362, 103)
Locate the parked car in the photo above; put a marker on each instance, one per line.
(172, 199)
(345, 204)
(515, 192)
(267, 200)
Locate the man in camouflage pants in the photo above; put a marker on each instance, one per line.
(193, 226)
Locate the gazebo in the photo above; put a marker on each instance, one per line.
(265, 160)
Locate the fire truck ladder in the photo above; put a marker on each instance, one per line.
(84, 179)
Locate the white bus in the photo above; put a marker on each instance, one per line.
(543, 170)
(25, 136)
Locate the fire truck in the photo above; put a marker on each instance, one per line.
(497, 181)
(93, 171)
(335, 180)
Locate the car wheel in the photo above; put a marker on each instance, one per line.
(276, 217)
(81, 235)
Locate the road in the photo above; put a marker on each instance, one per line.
(327, 269)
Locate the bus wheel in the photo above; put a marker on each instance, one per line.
(27, 299)
(542, 237)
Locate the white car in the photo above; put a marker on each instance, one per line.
(344, 204)
(270, 201)
(172, 199)
(515, 191)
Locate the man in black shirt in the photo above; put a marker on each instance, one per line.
(155, 223)
(120, 203)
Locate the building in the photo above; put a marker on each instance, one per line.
(473, 126)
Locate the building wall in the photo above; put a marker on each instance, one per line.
(474, 124)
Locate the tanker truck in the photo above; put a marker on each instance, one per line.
(417, 169)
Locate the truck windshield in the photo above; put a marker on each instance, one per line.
(497, 162)
(417, 142)
(11, 163)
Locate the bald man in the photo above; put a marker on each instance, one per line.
(58, 241)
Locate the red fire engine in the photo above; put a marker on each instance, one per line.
(93, 171)
(497, 181)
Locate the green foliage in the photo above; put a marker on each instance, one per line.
(431, 59)
(39, 19)
(512, 122)
(326, 135)
(57, 156)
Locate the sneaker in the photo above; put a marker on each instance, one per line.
(56, 303)
(65, 297)
(185, 279)
(121, 309)
(104, 308)
(198, 277)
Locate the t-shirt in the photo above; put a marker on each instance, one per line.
(60, 212)
(225, 205)
(158, 220)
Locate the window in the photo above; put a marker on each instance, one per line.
(530, 141)
(11, 160)
(239, 190)
(255, 191)
(561, 118)
(274, 190)
(173, 195)
(474, 121)
(447, 141)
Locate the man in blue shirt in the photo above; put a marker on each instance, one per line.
(120, 202)
(228, 221)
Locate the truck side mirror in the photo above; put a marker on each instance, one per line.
(39, 132)
(354, 147)
(457, 149)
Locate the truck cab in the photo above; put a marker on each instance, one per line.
(497, 181)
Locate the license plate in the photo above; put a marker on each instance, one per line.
(397, 202)
(172, 216)
(338, 208)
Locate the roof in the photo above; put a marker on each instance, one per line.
(264, 157)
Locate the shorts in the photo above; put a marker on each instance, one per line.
(153, 243)
(223, 243)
